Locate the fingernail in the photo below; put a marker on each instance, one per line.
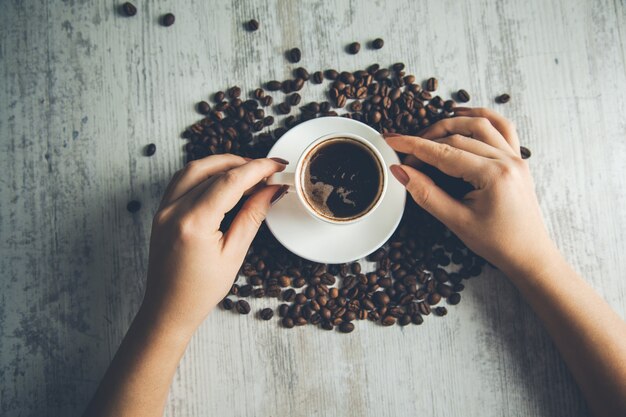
(400, 174)
(391, 135)
(279, 160)
(279, 194)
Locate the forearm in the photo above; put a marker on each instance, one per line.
(589, 334)
(138, 379)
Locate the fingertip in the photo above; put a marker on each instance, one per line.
(400, 174)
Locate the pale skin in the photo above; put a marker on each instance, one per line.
(192, 264)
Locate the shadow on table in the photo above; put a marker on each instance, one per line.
(531, 359)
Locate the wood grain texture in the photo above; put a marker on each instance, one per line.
(83, 90)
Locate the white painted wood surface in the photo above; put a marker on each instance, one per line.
(82, 90)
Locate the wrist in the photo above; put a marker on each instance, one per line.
(153, 324)
(534, 263)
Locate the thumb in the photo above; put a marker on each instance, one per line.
(244, 227)
(430, 197)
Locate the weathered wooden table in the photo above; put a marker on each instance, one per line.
(83, 90)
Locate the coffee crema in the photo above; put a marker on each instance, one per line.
(342, 179)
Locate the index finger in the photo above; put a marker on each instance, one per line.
(448, 159)
(227, 190)
(501, 123)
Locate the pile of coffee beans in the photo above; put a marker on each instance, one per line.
(420, 266)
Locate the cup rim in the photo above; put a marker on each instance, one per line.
(329, 136)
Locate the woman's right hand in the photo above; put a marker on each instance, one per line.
(500, 220)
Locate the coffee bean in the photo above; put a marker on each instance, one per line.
(432, 84)
(267, 101)
(129, 9)
(294, 55)
(203, 107)
(274, 85)
(388, 321)
(380, 298)
(266, 314)
(378, 43)
(318, 77)
(252, 25)
(397, 67)
(381, 74)
(503, 98)
(288, 322)
(525, 152)
(168, 19)
(302, 73)
(150, 149)
(294, 99)
(354, 48)
(441, 311)
(227, 304)
(284, 108)
(133, 206)
(234, 92)
(454, 298)
(463, 96)
(243, 307)
(346, 327)
(404, 320)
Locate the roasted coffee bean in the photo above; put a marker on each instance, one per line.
(267, 101)
(150, 149)
(294, 99)
(289, 295)
(441, 311)
(525, 152)
(283, 309)
(354, 48)
(388, 321)
(300, 298)
(503, 98)
(380, 298)
(381, 74)
(245, 290)
(284, 108)
(378, 43)
(274, 85)
(234, 92)
(404, 320)
(463, 96)
(318, 77)
(129, 9)
(168, 19)
(288, 322)
(417, 318)
(432, 84)
(454, 298)
(302, 73)
(243, 307)
(331, 74)
(203, 107)
(444, 290)
(346, 327)
(252, 25)
(299, 321)
(294, 55)
(227, 304)
(266, 314)
(258, 293)
(133, 206)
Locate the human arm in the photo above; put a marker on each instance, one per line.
(501, 221)
(192, 266)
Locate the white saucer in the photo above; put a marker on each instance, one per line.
(315, 239)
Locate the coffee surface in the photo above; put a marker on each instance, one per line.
(342, 179)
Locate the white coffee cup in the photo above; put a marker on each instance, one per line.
(294, 179)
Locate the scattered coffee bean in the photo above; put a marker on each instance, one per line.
(432, 84)
(203, 107)
(463, 96)
(150, 149)
(274, 85)
(252, 25)
(294, 55)
(318, 77)
(227, 304)
(346, 327)
(454, 298)
(243, 307)
(354, 48)
(378, 43)
(168, 19)
(266, 314)
(133, 206)
(525, 152)
(129, 9)
(441, 311)
(284, 108)
(503, 98)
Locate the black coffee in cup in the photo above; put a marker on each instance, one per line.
(342, 179)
